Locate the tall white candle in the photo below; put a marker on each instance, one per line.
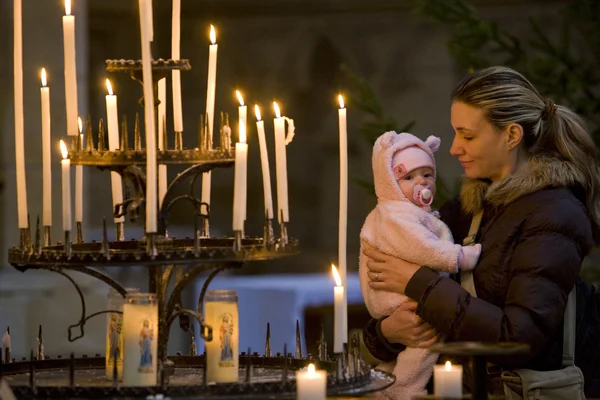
(338, 312)
(240, 181)
(176, 74)
(343, 216)
(112, 122)
(162, 115)
(66, 186)
(46, 154)
(311, 384)
(19, 127)
(210, 107)
(151, 181)
(264, 162)
(70, 70)
(447, 380)
(242, 117)
(79, 182)
(281, 167)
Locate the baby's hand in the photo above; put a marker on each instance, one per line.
(468, 257)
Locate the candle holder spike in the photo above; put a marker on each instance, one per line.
(120, 227)
(40, 345)
(101, 136)
(89, 135)
(38, 240)
(79, 235)
(67, 246)
(268, 341)
(47, 236)
(137, 138)
(124, 134)
(298, 341)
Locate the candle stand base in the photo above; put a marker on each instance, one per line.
(120, 226)
(79, 234)
(47, 236)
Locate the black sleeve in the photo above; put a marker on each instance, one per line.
(377, 344)
(452, 215)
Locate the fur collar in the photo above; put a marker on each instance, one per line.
(539, 173)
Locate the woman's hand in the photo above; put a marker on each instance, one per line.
(388, 272)
(405, 327)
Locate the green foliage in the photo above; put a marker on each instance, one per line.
(551, 62)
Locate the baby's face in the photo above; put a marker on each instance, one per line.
(419, 176)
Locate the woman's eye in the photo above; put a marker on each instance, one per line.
(468, 138)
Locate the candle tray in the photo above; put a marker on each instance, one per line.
(260, 377)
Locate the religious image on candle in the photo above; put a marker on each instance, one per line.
(338, 312)
(140, 335)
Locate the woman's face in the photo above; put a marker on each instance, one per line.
(482, 149)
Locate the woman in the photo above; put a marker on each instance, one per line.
(531, 167)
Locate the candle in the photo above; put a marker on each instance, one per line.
(151, 192)
(338, 312)
(70, 70)
(140, 337)
(243, 116)
(264, 161)
(46, 153)
(281, 167)
(162, 126)
(176, 74)
(112, 121)
(447, 380)
(311, 384)
(240, 181)
(343, 216)
(79, 181)
(222, 353)
(66, 186)
(210, 108)
(19, 130)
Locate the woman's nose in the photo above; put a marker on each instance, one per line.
(456, 149)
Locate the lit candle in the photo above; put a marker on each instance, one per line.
(176, 74)
(210, 108)
(66, 186)
(240, 178)
(343, 216)
(447, 380)
(19, 130)
(311, 384)
(242, 116)
(112, 121)
(281, 167)
(70, 70)
(264, 161)
(162, 114)
(151, 192)
(338, 311)
(46, 153)
(79, 182)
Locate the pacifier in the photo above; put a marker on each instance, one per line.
(422, 195)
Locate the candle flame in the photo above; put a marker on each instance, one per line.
(277, 111)
(311, 371)
(80, 124)
(213, 35)
(240, 98)
(448, 366)
(44, 77)
(68, 7)
(242, 133)
(257, 112)
(63, 149)
(341, 99)
(109, 87)
(336, 276)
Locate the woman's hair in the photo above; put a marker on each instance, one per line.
(549, 130)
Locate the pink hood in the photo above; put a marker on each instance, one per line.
(386, 187)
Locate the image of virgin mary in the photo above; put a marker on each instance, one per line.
(146, 337)
(225, 334)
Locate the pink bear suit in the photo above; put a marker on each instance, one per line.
(400, 228)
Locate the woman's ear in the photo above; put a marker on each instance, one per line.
(514, 135)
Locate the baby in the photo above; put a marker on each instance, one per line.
(403, 225)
